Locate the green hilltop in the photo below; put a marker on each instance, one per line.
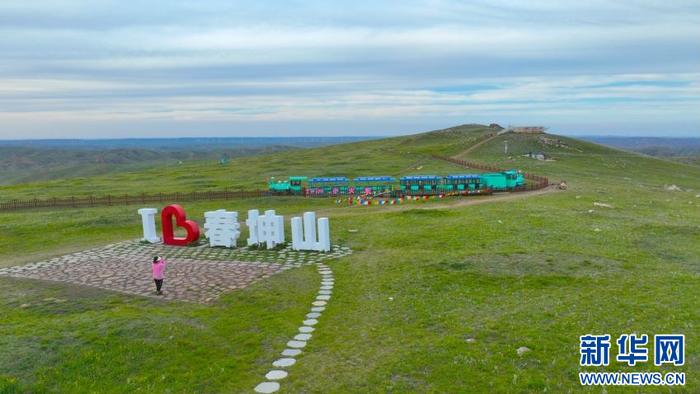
(438, 296)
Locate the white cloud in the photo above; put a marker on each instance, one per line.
(104, 62)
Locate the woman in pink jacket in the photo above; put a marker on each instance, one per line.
(158, 269)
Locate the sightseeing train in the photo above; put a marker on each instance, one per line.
(412, 185)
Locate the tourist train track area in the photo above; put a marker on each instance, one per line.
(391, 187)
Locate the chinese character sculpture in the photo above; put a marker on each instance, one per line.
(304, 235)
(148, 219)
(271, 229)
(267, 229)
(222, 228)
(252, 223)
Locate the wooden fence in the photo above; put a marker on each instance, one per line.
(128, 199)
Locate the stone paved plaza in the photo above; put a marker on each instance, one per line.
(195, 274)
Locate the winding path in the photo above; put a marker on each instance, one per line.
(296, 344)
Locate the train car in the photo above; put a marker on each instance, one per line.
(373, 185)
(416, 185)
(462, 183)
(495, 181)
(328, 186)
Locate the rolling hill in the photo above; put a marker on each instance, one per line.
(393, 156)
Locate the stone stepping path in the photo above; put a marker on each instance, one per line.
(299, 341)
(194, 274)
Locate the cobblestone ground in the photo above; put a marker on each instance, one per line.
(195, 274)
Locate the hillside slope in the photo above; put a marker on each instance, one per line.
(585, 164)
(391, 156)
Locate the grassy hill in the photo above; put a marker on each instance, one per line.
(437, 297)
(392, 156)
(29, 164)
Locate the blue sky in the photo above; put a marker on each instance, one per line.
(104, 69)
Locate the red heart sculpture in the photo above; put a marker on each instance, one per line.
(181, 220)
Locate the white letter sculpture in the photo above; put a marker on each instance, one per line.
(222, 228)
(271, 229)
(304, 237)
(252, 223)
(148, 219)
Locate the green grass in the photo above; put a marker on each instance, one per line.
(424, 278)
(94, 341)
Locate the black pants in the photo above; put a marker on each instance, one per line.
(159, 283)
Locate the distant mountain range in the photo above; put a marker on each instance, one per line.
(193, 143)
(654, 146)
(40, 160)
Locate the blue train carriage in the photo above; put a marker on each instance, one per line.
(462, 183)
(373, 185)
(418, 185)
(328, 186)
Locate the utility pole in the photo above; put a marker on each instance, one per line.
(505, 148)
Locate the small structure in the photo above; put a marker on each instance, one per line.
(537, 155)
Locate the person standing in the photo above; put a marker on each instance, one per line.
(158, 269)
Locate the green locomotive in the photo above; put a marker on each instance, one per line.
(293, 185)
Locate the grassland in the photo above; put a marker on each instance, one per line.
(24, 164)
(436, 298)
(392, 156)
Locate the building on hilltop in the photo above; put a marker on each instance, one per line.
(527, 129)
(537, 155)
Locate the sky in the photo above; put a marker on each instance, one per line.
(112, 69)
